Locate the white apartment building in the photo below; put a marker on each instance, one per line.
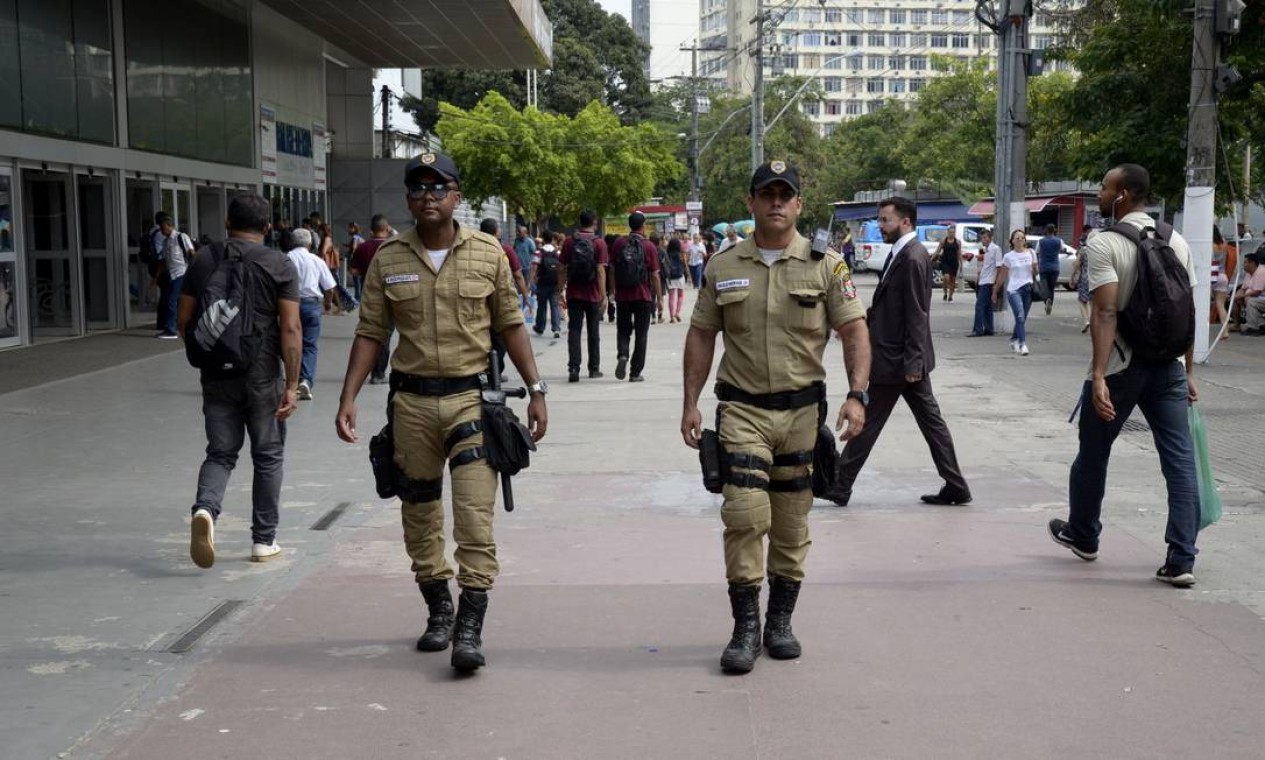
(862, 52)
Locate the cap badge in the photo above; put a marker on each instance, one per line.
(778, 167)
(427, 158)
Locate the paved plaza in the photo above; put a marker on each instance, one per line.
(929, 632)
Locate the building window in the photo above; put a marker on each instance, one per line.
(834, 62)
(873, 106)
(875, 63)
(875, 16)
(896, 62)
(874, 85)
(877, 39)
(1041, 42)
(832, 84)
(915, 85)
(854, 62)
(854, 108)
(961, 18)
(828, 129)
(810, 61)
(810, 16)
(985, 41)
(833, 39)
(917, 17)
(855, 84)
(961, 41)
(896, 40)
(832, 108)
(896, 85)
(917, 40)
(854, 39)
(939, 40)
(811, 108)
(918, 62)
(834, 16)
(812, 39)
(896, 16)
(939, 18)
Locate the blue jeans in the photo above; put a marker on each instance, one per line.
(547, 301)
(1160, 391)
(696, 275)
(983, 310)
(171, 303)
(1020, 304)
(358, 286)
(310, 318)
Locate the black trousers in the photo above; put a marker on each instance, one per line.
(633, 316)
(583, 315)
(922, 402)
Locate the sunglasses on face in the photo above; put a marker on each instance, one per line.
(437, 190)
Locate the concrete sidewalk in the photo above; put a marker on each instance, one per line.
(928, 632)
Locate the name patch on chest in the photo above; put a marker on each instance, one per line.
(396, 279)
(727, 285)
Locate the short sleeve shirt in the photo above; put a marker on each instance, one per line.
(585, 291)
(445, 316)
(1114, 258)
(1018, 269)
(776, 319)
(641, 292)
(274, 279)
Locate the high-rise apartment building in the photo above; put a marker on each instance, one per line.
(641, 26)
(862, 52)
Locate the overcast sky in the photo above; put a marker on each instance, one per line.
(669, 29)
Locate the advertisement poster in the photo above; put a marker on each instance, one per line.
(318, 155)
(268, 144)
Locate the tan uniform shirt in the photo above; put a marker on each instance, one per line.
(443, 317)
(776, 319)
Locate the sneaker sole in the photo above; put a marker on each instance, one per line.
(202, 541)
(1185, 580)
(265, 558)
(1087, 556)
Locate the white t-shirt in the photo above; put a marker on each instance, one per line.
(1018, 269)
(726, 244)
(697, 252)
(437, 257)
(988, 264)
(771, 255)
(314, 276)
(176, 250)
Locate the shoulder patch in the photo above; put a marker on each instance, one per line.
(843, 275)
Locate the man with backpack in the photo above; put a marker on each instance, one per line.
(635, 266)
(239, 317)
(174, 250)
(1142, 279)
(546, 278)
(585, 259)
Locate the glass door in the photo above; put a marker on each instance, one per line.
(53, 273)
(10, 334)
(142, 203)
(175, 201)
(101, 263)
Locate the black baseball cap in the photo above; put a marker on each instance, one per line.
(636, 220)
(775, 171)
(439, 163)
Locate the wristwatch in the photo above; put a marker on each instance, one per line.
(540, 387)
(861, 396)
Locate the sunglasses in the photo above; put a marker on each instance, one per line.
(437, 190)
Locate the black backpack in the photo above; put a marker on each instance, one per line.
(221, 339)
(1159, 321)
(630, 264)
(676, 270)
(146, 252)
(582, 265)
(547, 271)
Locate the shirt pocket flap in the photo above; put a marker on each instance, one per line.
(808, 293)
(475, 288)
(403, 291)
(732, 296)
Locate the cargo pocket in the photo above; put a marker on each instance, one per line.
(405, 303)
(474, 294)
(734, 307)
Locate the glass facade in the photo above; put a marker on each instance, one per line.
(190, 94)
(57, 68)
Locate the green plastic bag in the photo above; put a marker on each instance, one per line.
(1209, 499)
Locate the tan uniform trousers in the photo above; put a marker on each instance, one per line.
(422, 424)
(749, 514)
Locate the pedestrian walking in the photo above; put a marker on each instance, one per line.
(635, 265)
(1080, 281)
(445, 289)
(661, 249)
(676, 268)
(777, 303)
(849, 248)
(175, 250)
(315, 283)
(948, 257)
(545, 280)
(902, 359)
(697, 256)
(1137, 368)
(610, 239)
(490, 226)
(1049, 247)
(255, 402)
(585, 264)
(340, 300)
(1015, 278)
(1219, 277)
(990, 258)
(380, 229)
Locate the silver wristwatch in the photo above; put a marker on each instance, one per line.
(540, 387)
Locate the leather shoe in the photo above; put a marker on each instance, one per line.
(947, 496)
(837, 496)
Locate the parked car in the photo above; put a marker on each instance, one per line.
(871, 251)
(970, 274)
(968, 235)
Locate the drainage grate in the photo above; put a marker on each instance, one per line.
(330, 516)
(203, 626)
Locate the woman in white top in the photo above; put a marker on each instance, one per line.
(697, 253)
(1014, 277)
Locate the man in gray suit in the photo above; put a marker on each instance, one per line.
(902, 359)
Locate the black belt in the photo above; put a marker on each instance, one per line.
(433, 386)
(776, 401)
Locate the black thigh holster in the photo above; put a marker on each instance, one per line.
(389, 480)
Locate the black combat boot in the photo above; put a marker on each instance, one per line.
(467, 637)
(743, 649)
(778, 637)
(439, 624)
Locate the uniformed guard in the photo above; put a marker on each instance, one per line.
(776, 300)
(444, 288)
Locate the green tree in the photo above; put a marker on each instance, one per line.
(862, 155)
(949, 143)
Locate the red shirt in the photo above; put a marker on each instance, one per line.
(642, 292)
(585, 291)
(364, 254)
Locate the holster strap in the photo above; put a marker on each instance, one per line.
(747, 461)
(466, 457)
(746, 480)
(460, 433)
(433, 386)
(774, 401)
(802, 483)
(793, 459)
(419, 490)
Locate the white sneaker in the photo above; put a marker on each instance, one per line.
(202, 539)
(1023, 349)
(264, 552)
(1014, 346)
(305, 391)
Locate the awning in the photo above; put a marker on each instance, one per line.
(929, 212)
(473, 34)
(1038, 203)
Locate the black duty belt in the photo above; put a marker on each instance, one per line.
(776, 401)
(433, 386)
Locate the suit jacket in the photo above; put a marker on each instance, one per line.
(900, 318)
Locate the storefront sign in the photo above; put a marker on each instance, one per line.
(268, 144)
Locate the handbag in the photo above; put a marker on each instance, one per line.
(1209, 499)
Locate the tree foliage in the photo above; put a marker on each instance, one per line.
(596, 56)
(545, 164)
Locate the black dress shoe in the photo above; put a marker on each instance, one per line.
(975, 335)
(636, 379)
(595, 374)
(837, 497)
(573, 376)
(947, 496)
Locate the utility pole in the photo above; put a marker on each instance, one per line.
(1198, 209)
(757, 92)
(1010, 172)
(695, 172)
(386, 121)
